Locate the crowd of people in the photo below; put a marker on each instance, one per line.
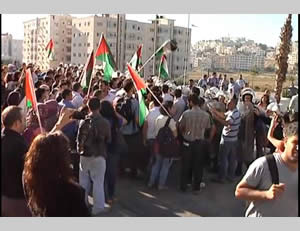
(87, 141)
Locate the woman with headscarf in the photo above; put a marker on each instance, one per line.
(246, 132)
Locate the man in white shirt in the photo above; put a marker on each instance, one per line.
(179, 105)
(241, 82)
(77, 99)
(293, 106)
(108, 96)
(166, 95)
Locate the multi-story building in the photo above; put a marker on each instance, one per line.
(293, 56)
(239, 62)
(12, 49)
(86, 33)
(6, 46)
(37, 34)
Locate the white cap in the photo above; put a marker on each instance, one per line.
(273, 107)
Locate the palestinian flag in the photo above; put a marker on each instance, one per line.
(103, 54)
(141, 91)
(163, 68)
(89, 66)
(30, 92)
(166, 47)
(136, 59)
(49, 47)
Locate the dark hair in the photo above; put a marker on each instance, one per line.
(63, 83)
(39, 93)
(194, 98)
(167, 105)
(191, 80)
(243, 97)
(13, 98)
(196, 90)
(38, 84)
(268, 99)
(10, 115)
(128, 85)
(165, 88)
(76, 86)
(108, 112)
(17, 75)
(97, 93)
(65, 93)
(47, 164)
(201, 101)
(94, 104)
(156, 103)
(178, 93)
(48, 79)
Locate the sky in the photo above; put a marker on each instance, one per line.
(262, 28)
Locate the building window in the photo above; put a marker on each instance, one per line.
(115, 25)
(99, 24)
(79, 44)
(84, 44)
(98, 34)
(74, 44)
(74, 35)
(79, 25)
(88, 23)
(139, 28)
(133, 26)
(63, 40)
(88, 44)
(79, 54)
(85, 24)
(74, 24)
(74, 54)
(63, 31)
(88, 33)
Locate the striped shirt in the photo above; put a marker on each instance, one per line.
(230, 132)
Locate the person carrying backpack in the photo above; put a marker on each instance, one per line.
(128, 107)
(94, 135)
(271, 182)
(164, 147)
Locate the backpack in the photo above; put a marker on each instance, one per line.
(273, 168)
(90, 147)
(166, 144)
(124, 108)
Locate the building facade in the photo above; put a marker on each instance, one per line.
(12, 49)
(124, 36)
(37, 34)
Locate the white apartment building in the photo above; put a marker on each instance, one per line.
(37, 34)
(12, 49)
(293, 56)
(86, 33)
(239, 62)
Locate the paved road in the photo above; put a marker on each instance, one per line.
(136, 200)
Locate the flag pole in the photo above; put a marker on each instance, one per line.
(92, 75)
(152, 95)
(148, 60)
(37, 108)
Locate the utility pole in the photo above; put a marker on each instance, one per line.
(117, 43)
(187, 50)
(154, 46)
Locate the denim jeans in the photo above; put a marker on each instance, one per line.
(227, 159)
(111, 175)
(160, 170)
(92, 169)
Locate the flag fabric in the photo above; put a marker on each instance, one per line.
(136, 59)
(163, 68)
(49, 48)
(103, 54)
(30, 92)
(167, 46)
(89, 66)
(141, 91)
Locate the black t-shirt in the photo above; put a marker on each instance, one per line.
(13, 150)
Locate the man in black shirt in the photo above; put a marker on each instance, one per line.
(13, 151)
